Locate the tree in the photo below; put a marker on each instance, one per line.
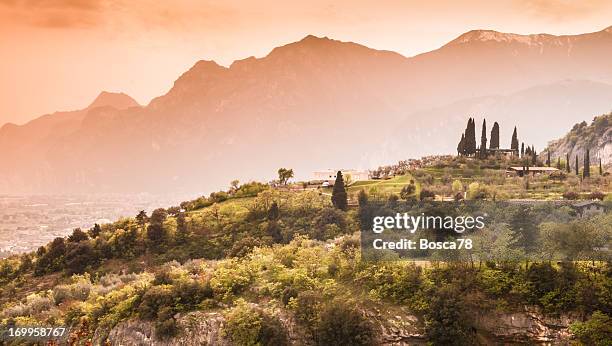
(234, 185)
(461, 145)
(548, 158)
(95, 231)
(559, 163)
(142, 218)
(523, 149)
(339, 196)
(182, 231)
(284, 175)
(567, 163)
(79, 257)
(483, 139)
(586, 172)
(469, 138)
(273, 212)
(77, 236)
(494, 144)
(407, 191)
(534, 156)
(155, 232)
(577, 169)
(514, 144)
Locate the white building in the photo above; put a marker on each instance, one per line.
(350, 175)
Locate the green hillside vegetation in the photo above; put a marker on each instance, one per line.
(256, 255)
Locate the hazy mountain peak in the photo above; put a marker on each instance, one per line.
(608, 29)
(116, 100)
(496, 36)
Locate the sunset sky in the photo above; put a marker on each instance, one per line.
(59, 54)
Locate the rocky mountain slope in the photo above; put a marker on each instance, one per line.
(596, 136)
(310, 104)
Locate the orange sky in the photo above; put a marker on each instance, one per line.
(59, 54)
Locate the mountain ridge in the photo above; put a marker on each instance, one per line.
(330, 101)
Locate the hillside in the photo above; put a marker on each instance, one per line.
(282, 266)
(214, 119)
(596, 136)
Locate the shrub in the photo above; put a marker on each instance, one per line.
(153, 300)
(596, 331)
(166, 326)
(571, 195)
(248, 325)
(340, 324)
(597, 195)
(426, 194)
(445, 320)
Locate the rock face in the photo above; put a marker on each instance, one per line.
(597, 137)
(396, 326)
(524, 327)
(198, 328)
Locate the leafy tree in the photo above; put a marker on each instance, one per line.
(182, 231)
(79, 257)
(494, 143)
(339, 197)
(155, 232)
(273, 212)
(284, 175)
(77, 236)
(408, 191)
(234, 185)
(142, 218)
(95, 231)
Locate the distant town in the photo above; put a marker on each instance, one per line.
(26, 222)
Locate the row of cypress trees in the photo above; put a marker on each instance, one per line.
(467, 145)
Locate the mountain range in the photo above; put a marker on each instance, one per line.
(316, 103)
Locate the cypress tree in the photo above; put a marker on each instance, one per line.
(534, 156)
(461, 145)
(470, 137)
(514, 144)
(339, 197)
(548, 158)
(483, 139)
(567, 163)
(586, 171)
(559, 163)
(494, 136)
(600, 167)
(523, 149)
(577, 170)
